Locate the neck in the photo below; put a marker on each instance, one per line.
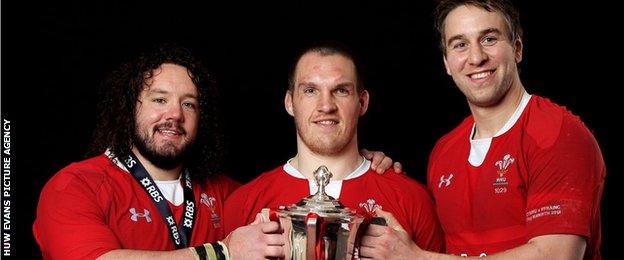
(341, 164)
(157, 173)
(489, 120)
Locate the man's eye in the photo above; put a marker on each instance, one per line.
(159, 100)
(342, 91)
(459, 45)
(489, 40)
(189, 105)
(309, 91)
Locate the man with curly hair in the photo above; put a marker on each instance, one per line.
(156, 192)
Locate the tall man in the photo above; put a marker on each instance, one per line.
(326, 98)
(522, 177)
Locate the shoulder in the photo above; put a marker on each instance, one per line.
(89, 185)
(90, 173)
(399, 183)
(459, 134)
(261, 183)
(221, 184)
(547, 122)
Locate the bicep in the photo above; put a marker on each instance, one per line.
(71, 224)
(427, 232)
(564, 186)
(234, 213)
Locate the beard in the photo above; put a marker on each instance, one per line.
(166, 156)
(326, 145)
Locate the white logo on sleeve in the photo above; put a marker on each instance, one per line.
(445, 181)
(135, 216)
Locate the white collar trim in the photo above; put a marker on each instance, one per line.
(359, 171)
(335, 186)
(480, 147)
(510, 122)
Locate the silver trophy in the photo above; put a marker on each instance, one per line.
(319, 226)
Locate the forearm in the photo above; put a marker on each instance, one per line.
(547, 247)
(541, 247)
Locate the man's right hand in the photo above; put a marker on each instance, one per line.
(256, 241)
(388, 242)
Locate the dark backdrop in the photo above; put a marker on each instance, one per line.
(54, 54)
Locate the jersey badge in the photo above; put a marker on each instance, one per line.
(209, 202)
(502, 167)
(370, 206)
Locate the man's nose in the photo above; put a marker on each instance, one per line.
(477, 55)
(327, 103)
(174, 112)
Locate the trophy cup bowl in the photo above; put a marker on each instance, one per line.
(319, 226)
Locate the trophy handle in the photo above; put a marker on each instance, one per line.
(311, 234)
(268, 215)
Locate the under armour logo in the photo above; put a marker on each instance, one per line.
(444, 181)
(135, 216)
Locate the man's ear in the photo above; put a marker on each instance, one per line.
(364, 98)
(518, 50)
(288, 103)
(446, 66)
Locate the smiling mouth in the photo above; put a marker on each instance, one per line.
(169, 129)
(326, 122)
(481, 75)
(168, 132)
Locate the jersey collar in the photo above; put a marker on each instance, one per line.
(359, 171)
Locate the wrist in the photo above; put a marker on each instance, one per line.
(211, 251)
(225, 250)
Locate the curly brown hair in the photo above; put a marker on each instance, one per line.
(119, 95)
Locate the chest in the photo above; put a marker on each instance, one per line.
(480, 197)
(137, 222)
(360, 194)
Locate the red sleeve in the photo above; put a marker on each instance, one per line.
(227, 185)
(237, 210)
(427, 232)
(224, 186)
(432, 158)
(565, 183)
(71, 220)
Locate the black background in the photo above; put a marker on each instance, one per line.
(54, 55)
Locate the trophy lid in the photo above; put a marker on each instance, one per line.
(320, 203)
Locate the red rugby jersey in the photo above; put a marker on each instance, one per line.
(544, 175)
(364, 189)
(93, 206)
